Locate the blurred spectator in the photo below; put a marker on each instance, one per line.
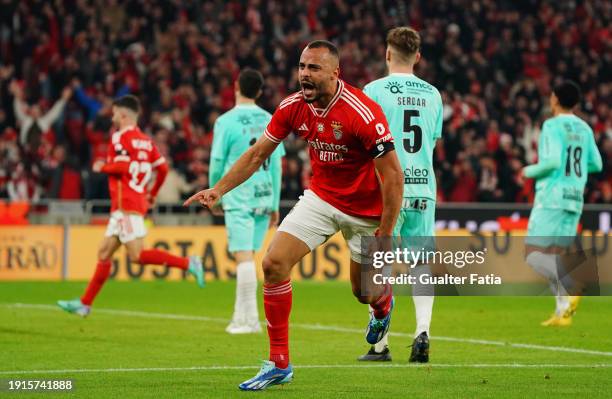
(174, 188)
(95, 102)
(33, 124)
(493, 61)
(465, 184)
(488, 184)
(98, 137)
(65, 178)
(23, 186)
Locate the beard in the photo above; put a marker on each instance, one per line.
(310, 100)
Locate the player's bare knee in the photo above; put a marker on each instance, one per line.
(103, 254)
(273, 268)
(134, 256)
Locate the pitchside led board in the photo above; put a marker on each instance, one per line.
(210, 242)
(31, 253)
(69, 253)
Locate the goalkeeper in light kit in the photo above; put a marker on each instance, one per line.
(567, 153)
(413, 108)
(253, 206)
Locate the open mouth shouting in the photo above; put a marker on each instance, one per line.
(309, 90)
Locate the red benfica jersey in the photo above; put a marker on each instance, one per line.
(343, 140)
(129, 191)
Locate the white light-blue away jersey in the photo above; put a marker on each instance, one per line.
(567, 153)
(413, 109)
(234, 132)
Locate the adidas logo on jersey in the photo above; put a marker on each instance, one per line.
(303, 127)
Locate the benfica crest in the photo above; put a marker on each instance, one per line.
(337, 128)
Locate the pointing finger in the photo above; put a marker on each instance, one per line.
(191, 199)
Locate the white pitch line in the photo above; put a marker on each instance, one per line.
(320, 327)
(131, 313)
(312, 366)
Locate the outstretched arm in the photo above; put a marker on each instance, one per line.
(49, 118)
(19, 108)
(246, 165)
(244, 168)
(92, 105)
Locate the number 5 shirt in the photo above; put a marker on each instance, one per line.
(135, 156)
(343, 140)
(413, 108)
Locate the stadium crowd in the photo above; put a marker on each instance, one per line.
(62, 63)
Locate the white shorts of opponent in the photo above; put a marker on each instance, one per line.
(127, 226)
(313, 221)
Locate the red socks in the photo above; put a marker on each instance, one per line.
(158, 257)
(99, 278)
(147, 256)
(277, 303)
(382, 304)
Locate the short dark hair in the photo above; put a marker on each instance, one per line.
(568, 93)
(128, 101)
(325, 44)
(405, 40)
(250, 82)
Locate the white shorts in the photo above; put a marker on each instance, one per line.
(313, 221)
(127, 226)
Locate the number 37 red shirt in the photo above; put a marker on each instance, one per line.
(128, 189)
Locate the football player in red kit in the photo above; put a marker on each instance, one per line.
(350, 146)
(131, 162)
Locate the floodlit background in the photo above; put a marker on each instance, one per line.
(62, 63)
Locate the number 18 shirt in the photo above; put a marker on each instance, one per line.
(566, 143)
(343, 140)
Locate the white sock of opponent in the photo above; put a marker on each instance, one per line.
(245, 308)
(563, 304)
(546, 265)
(423, 298)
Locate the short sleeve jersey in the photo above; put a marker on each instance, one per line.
(343, 140)
(234, 133)
(129, 191)
(413, 108)
(571, 139)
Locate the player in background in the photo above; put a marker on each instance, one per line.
(413, 108)
(349, 144)
(132, 159)
(252, 207)
(567, 153)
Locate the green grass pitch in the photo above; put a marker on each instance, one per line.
(167, 340)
